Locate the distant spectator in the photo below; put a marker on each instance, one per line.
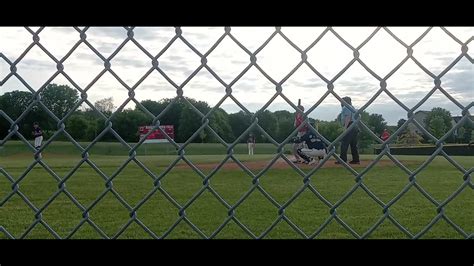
(385, 135)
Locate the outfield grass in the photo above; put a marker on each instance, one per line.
(360, 212)
(116, 148)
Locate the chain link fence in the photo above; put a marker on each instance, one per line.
(206, 185)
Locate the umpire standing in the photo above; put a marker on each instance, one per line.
(350, 139)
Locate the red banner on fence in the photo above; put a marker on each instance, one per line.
(156, 135)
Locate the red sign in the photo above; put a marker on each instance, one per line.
(156, 135)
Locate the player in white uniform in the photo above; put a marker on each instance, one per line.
(38, 133)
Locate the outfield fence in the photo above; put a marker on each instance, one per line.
(255, 126)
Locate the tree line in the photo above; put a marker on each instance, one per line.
(86, 124)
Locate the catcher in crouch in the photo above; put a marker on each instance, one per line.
(316, 148)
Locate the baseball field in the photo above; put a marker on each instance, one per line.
(115, 196)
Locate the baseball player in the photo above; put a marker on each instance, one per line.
(316, 148)
(38, 134)
(299, 119)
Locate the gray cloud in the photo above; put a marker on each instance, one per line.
(361, 78)
(462, 64)
(151, 33)
(113, 32)
(231, 108)
(458, 81)
(360, 85)
(188, 56)
(438, 54)
(441, 64)
(68, 30)
(312, 83)
(325, 112)
(86, 57)
(107, 47)
(460, 78)
(37, 64)
(242, 62)
(217, 55)
(205, 88)
(226, 77)
(461, 82)
(234, 108)
(49, 42)
(213, 31)
(405, 72)
(244, 85)
(157, 87)
(392, 112)
(423, 80)
(248, 77)
(196, 34)
(129, 62)
(441, 102)
(170, 66)
(175, 58)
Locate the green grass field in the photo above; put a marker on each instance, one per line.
(359, 211)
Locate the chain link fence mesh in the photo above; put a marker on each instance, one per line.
(206, 185)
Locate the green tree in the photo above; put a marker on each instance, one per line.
(376, 123)
(239, 122)
(285, 122)
(105, 106)
(467, 135)
(330, 129)
(285, 127)
(400, 123)
(203, 135)
(14, 104)
(173, 114)
(268, 122)
(126, 124)
(188, 124)
(92, 129)
(190, 120)
(437, 126)
(59, 99)
(76, 126)
(365, 140)
(219, 122)
(442, 122)
(460, 135)
(154, 107)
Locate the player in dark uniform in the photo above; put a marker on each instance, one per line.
(316, 148)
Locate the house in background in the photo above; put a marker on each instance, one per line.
(420, 117)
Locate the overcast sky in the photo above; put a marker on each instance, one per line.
(329, 56)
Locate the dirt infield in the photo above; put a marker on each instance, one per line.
(279, 164)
